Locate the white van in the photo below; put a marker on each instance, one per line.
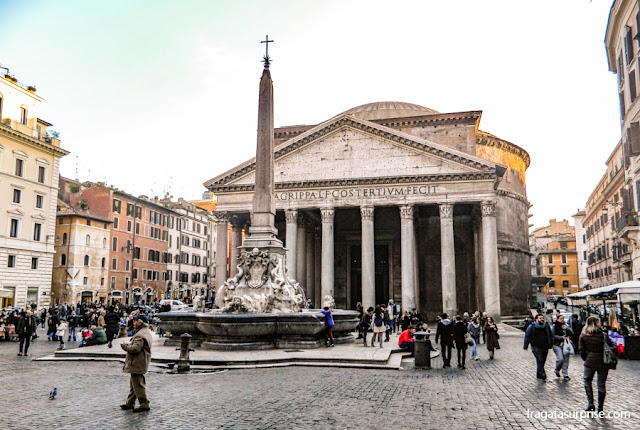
(176, 305)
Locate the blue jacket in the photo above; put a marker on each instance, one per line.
(329, 318)
(528, 335)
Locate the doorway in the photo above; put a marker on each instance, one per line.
(381, 274)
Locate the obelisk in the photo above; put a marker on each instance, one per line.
(262, 232)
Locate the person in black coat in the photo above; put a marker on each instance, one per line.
(576, 328)
(444, 332)
(25, 328)
(459, 331)
(112, 324)
(539, 336)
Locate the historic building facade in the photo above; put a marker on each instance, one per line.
(190, 251)
(395, 201)
(555, 257)
(622, 43)
(81, 263)
(29, 163)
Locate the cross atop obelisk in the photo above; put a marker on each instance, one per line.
(266, 60)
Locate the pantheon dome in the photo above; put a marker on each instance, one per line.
(385, 110)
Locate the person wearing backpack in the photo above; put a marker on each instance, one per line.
(378, 325)
(591, 346)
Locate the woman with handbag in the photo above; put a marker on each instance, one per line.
(561, 335)
(460, 335)
(592, 345)
(474, 331)
(491, 336)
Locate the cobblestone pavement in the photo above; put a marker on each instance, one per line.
(487, 395)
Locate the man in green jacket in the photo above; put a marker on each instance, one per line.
(137, 363)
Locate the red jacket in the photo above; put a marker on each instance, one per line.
(405, 336)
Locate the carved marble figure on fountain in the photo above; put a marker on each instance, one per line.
(329, 301)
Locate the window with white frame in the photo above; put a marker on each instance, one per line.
(19, 167)
(17, 196)
(23, 115)
(42, 174)
(39, 201)
(11, 261)
(37, 231)
(14, 227)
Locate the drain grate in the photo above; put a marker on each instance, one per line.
(292, 350)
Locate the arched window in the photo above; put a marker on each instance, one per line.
(86, 260)
(88, 240)
(104, 261)
(64, 239)
(63, 260)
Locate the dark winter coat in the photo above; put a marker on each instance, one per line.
(530, 334)
(559, 332)
(26, 326)
(444, 331)
(491, 336)
(112, 322)
(459, 330)
(474, 331)
(592, 348)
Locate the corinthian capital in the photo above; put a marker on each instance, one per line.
(327, 214)
(366, 212)
(446, 210)
(291, 215)
(406, 211)
(222, 217)
(488, 208)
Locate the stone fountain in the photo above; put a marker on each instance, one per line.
(260, 307)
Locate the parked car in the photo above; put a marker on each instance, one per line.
(176, 305)
(143, 308)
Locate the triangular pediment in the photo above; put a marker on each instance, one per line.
(348, 148)
(17, 212)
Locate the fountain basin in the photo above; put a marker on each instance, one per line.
(256, 331)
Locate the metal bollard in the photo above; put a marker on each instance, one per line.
(184, 365)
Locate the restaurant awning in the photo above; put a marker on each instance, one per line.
(624, 292)
(6, 294)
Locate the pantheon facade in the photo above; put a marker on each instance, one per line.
(393, 200)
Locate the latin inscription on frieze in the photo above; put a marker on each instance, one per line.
(368, 192)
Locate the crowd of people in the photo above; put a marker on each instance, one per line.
(584, 335)
(461, 332)
(91, 323)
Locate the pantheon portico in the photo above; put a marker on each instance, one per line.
(393, 201)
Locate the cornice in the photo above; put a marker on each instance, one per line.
(430, 120)
(364, 126)
(32, 142)
(486, 139)
(512, 195)
(477, 176)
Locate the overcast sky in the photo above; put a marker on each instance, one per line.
(155, 96)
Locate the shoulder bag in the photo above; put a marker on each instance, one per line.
(609, 360)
